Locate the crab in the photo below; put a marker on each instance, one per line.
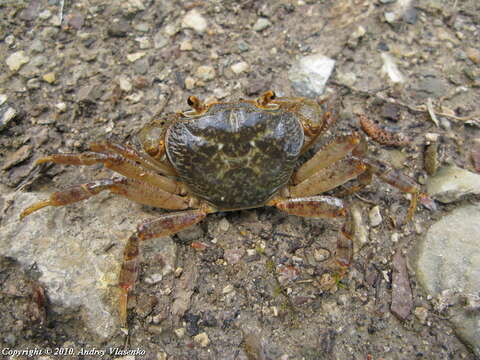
(227, 156)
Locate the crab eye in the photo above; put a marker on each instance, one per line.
(273, 95)
(190, 101)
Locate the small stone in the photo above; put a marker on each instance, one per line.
(220, 93)
(375, 216)
(17, 157)
(205, 72)
(119, 29)
(16, 60)
(10, 40)
(421, 314)
(125, 83)
(194, 20)
(240, 67)
(261, 24)
(390, 17)
(391, 111)
(160, 41)
(227, 289)
(143, 42)
(348, 78)
(37, 46)
(171, 29)
(224, 225)
(61, 106)
(3, 99)
(135, 56)
(180, 332)
(189, 83)
(186, 45)
(451, 183)
(49, 77)
(390, 69)
(321, 254)
(202, 339)
(473, 54)
(154, 278)
(162, 356)
(310, 74)
(45, 14)
(402, 301)
(142, 27)
(7, 114)
(394, 237)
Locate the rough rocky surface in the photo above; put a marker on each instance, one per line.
(239, 285)
(448, 266)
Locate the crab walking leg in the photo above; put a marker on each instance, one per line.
(132, 154)
(130, 188)
(165, 225)
(334, 151)
(328, 178)
(118, 164)
(396, 179)
(323, 207)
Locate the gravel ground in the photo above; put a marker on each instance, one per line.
(246, 284)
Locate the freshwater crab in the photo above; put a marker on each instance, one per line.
(226, 156)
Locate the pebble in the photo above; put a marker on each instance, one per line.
(3, 99)
(17, 157)
(375, 216)
(194, 20)
(261, 24)
(227, 289)
(160, 40)
(7, 114)
(348, 78)
(61, 106)
(135, 56)
(310, 74)
(240, 67)
(16, 60)
(49, 77)
(390, 69)
(223, 225)
(180, 332)
(45, 14)
(402, 300)
(451, 183)
(37, 46)
(189, 83)
(143, 42)
(448, 261)
(473, 54)
(202, 339)
(125, 83)
(421, 314)
(142, 27)
(186, 45)
(321, 254)
(205, 72)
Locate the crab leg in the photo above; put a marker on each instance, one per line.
(117, 163)
(396, 179)
(323, 207)
(130, 188)
(165, 225)
(328, 178)
(132, 154)
(334, 151)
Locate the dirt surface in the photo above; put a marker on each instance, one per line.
(251, 286)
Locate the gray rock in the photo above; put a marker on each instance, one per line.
(7, 114)
(68, 247)
(16, 60)
(194, 20)
(402, 301)
(310, 74)
(449, 262)
(261, 24)
(432, 86)
(452, 183)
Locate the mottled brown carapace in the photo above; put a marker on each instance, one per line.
(225, 156)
